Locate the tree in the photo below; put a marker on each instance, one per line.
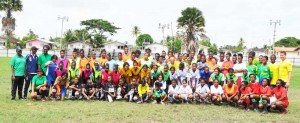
(136, 31)
(99, 28)
(288, 42)
(29, 36)
(8, 22)
(192, 21)
(240, 45)
(205, 43)
(143, 38)
(213, 48)
(176, 45)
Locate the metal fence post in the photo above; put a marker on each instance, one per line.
(7, 52)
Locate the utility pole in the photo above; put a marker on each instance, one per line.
(162, 27)
(64, 18)
(173, 38)
(274, 35)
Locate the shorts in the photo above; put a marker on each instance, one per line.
(63, 91)
(37, 91)
(285, 103)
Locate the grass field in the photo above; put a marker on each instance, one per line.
(95, 111)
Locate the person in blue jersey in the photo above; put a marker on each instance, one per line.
(31, 69)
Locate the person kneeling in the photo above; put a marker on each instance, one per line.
(59, 87)
(185, 92)
(39, 83)
(202, 92)
(282, 101)
(75, 89)
(172, 91)
(265, 93)
(89, 91)
(132, 91)
(244, 100)
(144, 91)
(216, 91)
(110, 89)
(230, 92)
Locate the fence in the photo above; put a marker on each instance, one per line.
(11, 52)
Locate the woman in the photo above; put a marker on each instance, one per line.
(73, 72)
(51, 67)
(160, 63)
(264, 70)
(85, 74)
(194, 76)
(265, 93)
(59, 87)
(230, 92)
(110, 89)
(244, 100)
(136, 72)
(255, 94)
(182, 72)
(216, 91)
(155, 72)
(63, 59)
(282, 101)
(172, 91)
(185, 92)
(217, 75)
(116, 74)
(88, 91)
(105, 73)
(145, 72)
(160, 80)
(126, 73)
(214, 65)
(38, 86)
(202, 93)
(60, 69)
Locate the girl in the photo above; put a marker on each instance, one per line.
(202, 64)
(181, 73)
(63, 59)
(282, 101)
(217, 75)
(85, 74)
(38, 86)
(159, 94)
(50, 74)
(214, 65)
(264, 70)
(160, 80)
(185, 92)
(202, 93)
(110, 89)
(75, 88)
(121, 90)
(59, 87)
(216, 91)
(145, 72)
(230, 92)
(255, 94)
(126, 72)
(231, 75)
(132, 90)
(155, 72)
(96, 75)
(172, 74)
(73, 72)
(160, 63)
(116, 75)
(89, 90)
(105, 74)
(194, 76)
(143, 91)
(265, 93)
(60, 69)
(172, 91)
(136, 71)
(244, 100)
(227, 64)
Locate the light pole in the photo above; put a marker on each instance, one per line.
(162, 27)
(64, 18)
(274, 35)
(173, 38)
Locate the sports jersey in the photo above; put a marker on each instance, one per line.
(255, 87)
(274, 69)
(284, 68)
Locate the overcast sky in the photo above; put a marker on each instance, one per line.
(226, 20)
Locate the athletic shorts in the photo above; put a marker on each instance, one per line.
(285, 103)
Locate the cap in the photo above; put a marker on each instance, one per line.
(18, 49)
(34, 48)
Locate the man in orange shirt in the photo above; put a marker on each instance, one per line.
(83, 60)
(103, 59)
(126, 55)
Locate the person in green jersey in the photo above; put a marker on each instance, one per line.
(264, 70)
(246, 76)
(43, 58)
(38, 86)
(231, 75)
(251, 68)
(219, 76)
(155, 72)
(255, 60)
(159, 95)
(73, 72)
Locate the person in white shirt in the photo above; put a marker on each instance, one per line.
(221, 60)
(160, 80)
(181, 74)
(193, 76)
(239, 68)
(173, 74)
(173, 90)
(202, 93)
(131, 60)
(216, 92)
(185, 92)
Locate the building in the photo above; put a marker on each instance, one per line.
(291, 52)
(79, 45)
(115, 47)
(157, 47)
(39, 43)
(258, 51)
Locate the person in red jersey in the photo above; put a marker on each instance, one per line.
(245, 92)
(255, 95)
(282, 101)
(265, 93)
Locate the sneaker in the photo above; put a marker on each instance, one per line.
(247, 109)
(265, 112)
(255, 110)
(139, 102)
(119, 97)
(162, 103)
(13, 98)
(154, 102)
(21, 98)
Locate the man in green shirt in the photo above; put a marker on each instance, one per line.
(17, 63)
(43, 58)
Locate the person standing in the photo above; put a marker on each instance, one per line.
(31, 69)
(43, 58)
(239, 68)
(63, 59)
(120, 61)
(74, 59)
(285, 69)
(17, 63)
(83, 60)
(274, 69)
(126, 54)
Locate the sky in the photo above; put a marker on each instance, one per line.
(226, 20)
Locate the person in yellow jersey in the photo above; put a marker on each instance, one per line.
(102, 60)
(285, 69)
(274, 68)
(93, 59)
(74, 58)
(173, 63)
(83, 60)
(126, 55)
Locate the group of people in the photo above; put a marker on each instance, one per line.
(185, 78)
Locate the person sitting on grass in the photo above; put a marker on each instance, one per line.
(231, 92)
(132, 90)
(185, 92)
(255, 94)
(172, 91)
(89, 91)
(144, 91)
(38, 86)
(75, 88)
(244, 100)
(282, 101)
(159, 95)
(60, 86)
(110, 89)
(216, 91)
(202, 93)
(265, 93)
(121, 91)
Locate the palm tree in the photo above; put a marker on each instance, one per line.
(8, 22)
(192, 22)
(136, 31)
(69, 37)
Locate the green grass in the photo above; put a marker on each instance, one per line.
(95, 111)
